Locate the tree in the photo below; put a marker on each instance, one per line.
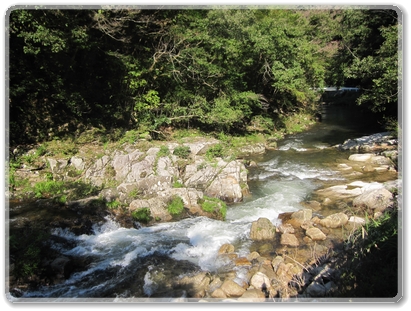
(369, 57)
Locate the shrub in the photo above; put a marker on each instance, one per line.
(214, 206)
(215, 151)
(177, 184)
(176, 206)
(26, 245)
(182, 151)
(129, 137)
(142, 215)
(371, 266)
(113, 204)
(46, 189)
(163, 152)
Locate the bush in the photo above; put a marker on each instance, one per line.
(215, 151)
(176, 206)
(163, 152)
(47, 189)
(177, 184)
(182, 151)
(214, 206)
(142, 215)
(371, 267)
(130, 137)
(26, 251)
(113, 204)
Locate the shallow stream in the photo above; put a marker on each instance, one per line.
(125, 263)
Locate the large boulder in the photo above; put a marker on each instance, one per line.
(315, 234)
(334, 221)
(260, 281)
(300, 217)
(253, 295)
(370, 143)
(360, 157)
(289, 239)
(350, 190)
(229, 183)
(315, 289)
(196, 285)
(252, 149)
(262, 229)
(377, 199)
(122, 164)
(96, 172)
(232, 289)
(157, 206)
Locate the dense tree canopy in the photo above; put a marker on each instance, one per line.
(369, 57)
(215, 69)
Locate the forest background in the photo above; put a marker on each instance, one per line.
(231, 71)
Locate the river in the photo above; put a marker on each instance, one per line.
(127, 263)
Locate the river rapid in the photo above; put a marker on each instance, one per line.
(128, 263)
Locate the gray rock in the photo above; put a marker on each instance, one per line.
(228, 184)
(361, 157)
(315, 289)
(252, 149)
(301, 216)
(253, 295)
(232, 289)
(316, 234)
(334, 220)
(286, 228)
(196, 285)
(78, 163)
(57, 166)
(377, 199)
(157, 206)
(289, 239)
(262, 229)
(260, 281)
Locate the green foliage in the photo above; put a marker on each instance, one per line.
(212, 70)
(142, 215)
(113, 204)
(391, 124)
(163, 152)
(133, 193)
(62, 199)
(369, 58)
(215, 151)
(182, 152)
(60, 191)
(178, 184)
(47, 189)
(206, 68)
(26, 245)
(176, 206)
(372, 266)
(130, 137)
(57, 147)
(79, 190)
(214, 206)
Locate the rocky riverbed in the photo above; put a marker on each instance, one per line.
(295, 259)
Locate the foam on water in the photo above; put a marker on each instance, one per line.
(206, 236)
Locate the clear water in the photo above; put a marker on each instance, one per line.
(122, 261)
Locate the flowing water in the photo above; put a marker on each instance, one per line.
(129, 262)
